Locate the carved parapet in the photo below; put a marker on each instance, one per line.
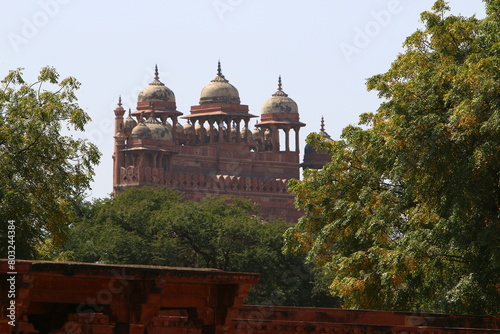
(129, 175)
(229, 183)
(132, 175)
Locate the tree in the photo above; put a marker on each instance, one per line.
(406, 216)
(124, 229)
(157, 226)
(42, 172)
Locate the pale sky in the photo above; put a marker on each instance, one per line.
(324, 51)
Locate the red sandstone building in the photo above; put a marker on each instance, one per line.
(83, 298)
(213, 150)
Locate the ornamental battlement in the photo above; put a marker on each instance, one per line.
(228, 184)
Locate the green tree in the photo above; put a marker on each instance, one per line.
(156, 226)
(406, 216)
(42, 172)
(124, 229)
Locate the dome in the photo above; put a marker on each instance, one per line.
(158, 131)
(309, 149)
(156, 91)
(267, 134)
(188, 128)
(219, 90)
(179, 128)
(200, 130)
(129, 122)
(244, 130)
(141, 131)
(257, 134)
(280, 103)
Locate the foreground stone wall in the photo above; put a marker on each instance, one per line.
(42, 297)
(294, 320)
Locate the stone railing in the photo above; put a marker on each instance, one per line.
(134, 176)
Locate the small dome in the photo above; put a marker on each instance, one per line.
(244, 130)
(257, 134)
(156, 91)
(158, 131)
(141, 131)
(129, 123)
(188, 129)
(280, 103)
(179, 128)
(200, 130)
(309, 149)
(267, 134)
(219, 90)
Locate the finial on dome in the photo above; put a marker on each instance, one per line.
(322, 124)
(219, 71)
(280, 91)
(220, 77)
(120, 101)
(129, 112)
(157, 77)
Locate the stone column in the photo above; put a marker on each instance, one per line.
(238, 133)
(287, 138)
(297, 139)
(275, 138)
(212, 135)
(245, 137)
(174, 128)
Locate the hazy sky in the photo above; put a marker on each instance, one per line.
(324, 51)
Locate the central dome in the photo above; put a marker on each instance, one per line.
(156, 91)
(219, 90)
(280, 103)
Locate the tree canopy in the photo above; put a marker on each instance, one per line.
(157, 226)
(406, 216)
(42, 171)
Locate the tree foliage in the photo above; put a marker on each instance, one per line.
(406, 216)
(42, 171)
(156, 226)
